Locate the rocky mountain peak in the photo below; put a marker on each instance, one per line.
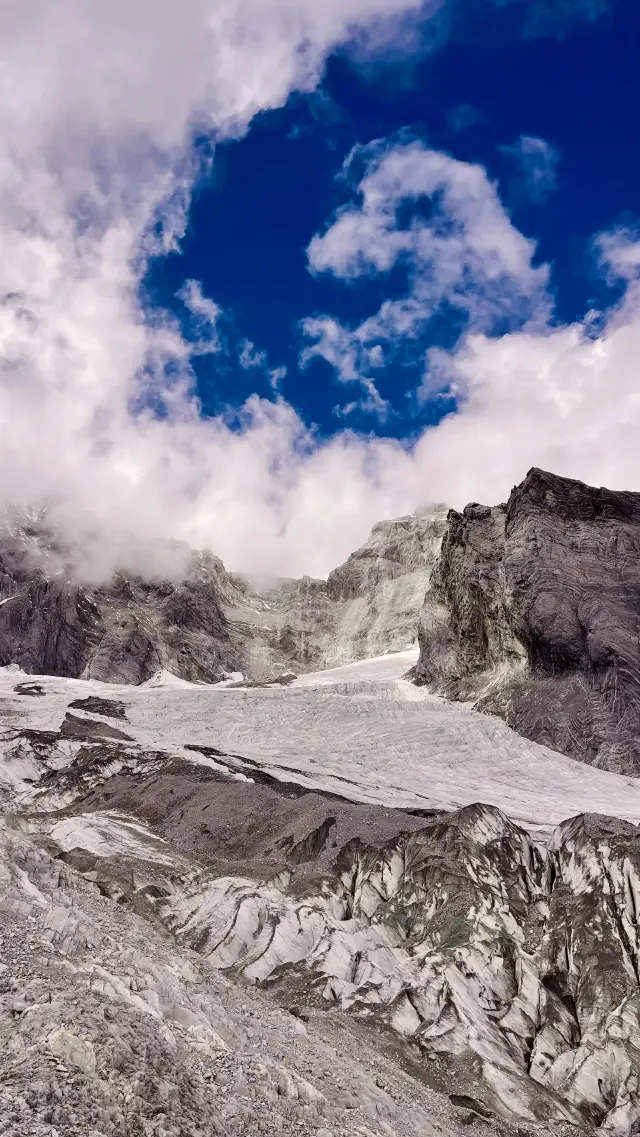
(533, 616)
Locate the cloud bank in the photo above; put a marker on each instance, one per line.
(99, 106)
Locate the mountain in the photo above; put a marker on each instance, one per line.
(209, 623)
(533, 615)
(337, 903)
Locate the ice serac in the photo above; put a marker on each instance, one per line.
(209, 623)
(534, 613)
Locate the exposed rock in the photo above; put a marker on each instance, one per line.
(77, 1052)
(210, 623)
(512, 968)
(534, 614)
(445, 969)
(381, 587)
(111, 708)
(89, 730)
(47, 627)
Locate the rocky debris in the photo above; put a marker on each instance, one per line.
(29, 689)
(507, 973)
(110, 1027)
(110, 708)
(90, 730)
(533, 616)
(210, 623)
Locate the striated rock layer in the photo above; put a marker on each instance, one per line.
(534, 616)
(210, 623)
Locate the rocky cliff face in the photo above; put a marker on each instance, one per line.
(126, 631)
(367, 606)
(534, 615)
(211, 622)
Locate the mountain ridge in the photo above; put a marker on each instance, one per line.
(211, 622)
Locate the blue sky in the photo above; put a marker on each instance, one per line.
(544, 104)
(273, 270)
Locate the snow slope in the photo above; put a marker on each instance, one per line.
(361, 731)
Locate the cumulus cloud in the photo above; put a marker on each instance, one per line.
(99, 105)
(538, 162)
(619, 253)
(560, 399)
(461, 253)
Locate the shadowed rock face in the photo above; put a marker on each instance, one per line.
(534, 613)
(212, 622)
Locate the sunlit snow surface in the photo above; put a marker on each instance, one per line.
(361, 731)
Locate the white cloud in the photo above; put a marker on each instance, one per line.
(250, 357)
(538, 162)
(619, 253)
(559, 399)
(206, 316)
(98, 103)
(352, 358)
(467, 235)
(464, 253)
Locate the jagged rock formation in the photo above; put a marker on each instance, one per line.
(110, 1028)
(137, 885)
(366, 607)
(534, 614)
(211, 622)
(503, 972)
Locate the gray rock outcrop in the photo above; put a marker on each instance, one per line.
(211, 622)
(500, 973)
(534, 613)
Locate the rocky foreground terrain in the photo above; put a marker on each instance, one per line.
(534, 615)
(240, 896)
(203, 938)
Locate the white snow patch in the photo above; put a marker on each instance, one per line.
(361, 731)
(166, 678)
(107, 835)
